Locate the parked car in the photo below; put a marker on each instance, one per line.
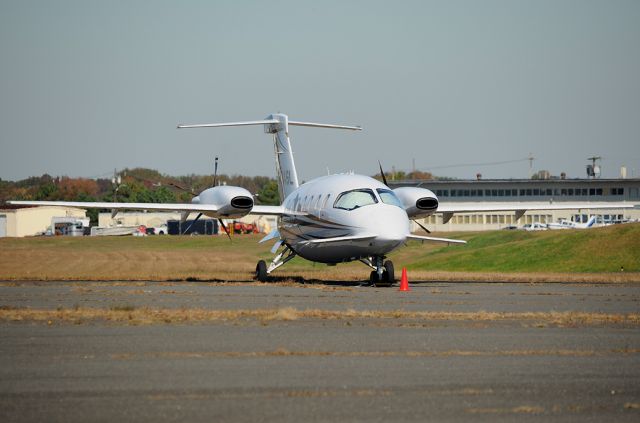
(535, 226)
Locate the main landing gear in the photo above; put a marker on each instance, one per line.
(383, 272)
(262, 271)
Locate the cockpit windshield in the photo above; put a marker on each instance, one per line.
(389, 197)
(351, 200)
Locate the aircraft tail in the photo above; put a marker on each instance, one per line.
(278, 125)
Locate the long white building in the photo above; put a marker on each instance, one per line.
(523, 190)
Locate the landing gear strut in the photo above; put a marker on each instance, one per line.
(262, 271)
(382, 273)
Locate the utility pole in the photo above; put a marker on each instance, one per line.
(531, 159)
(116, 181)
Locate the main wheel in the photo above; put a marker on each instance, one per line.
(389, 274)
(373, 277)
(261, 271)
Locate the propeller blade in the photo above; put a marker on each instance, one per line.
(384, 178)
(224, 227)
(191, 224)
(215, 172)
(180, 187)
(418, 223)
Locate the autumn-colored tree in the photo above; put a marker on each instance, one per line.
(70, 189)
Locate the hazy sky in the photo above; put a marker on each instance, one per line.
(89, 86)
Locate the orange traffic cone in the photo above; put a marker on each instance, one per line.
(404, 281)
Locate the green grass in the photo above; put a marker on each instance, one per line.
(593, 250)
(599, 250)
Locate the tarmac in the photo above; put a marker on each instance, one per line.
(318, 369)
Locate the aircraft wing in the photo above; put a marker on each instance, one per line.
(123, 206)
(434, 239)
(177, 207)
(268, 210)
(528, 205)
(339, 239)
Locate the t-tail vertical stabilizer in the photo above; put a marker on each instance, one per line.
(278, 125)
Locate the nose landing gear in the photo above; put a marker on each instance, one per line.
(383, 271)
(262, 271)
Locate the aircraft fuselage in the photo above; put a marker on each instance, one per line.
(319, 210)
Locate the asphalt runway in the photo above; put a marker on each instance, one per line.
(374, 368)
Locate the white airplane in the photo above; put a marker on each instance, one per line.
(568, 224)
(332, 219)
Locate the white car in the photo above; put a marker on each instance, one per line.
(535, 226)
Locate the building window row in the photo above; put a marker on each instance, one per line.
(489, 219)
(528, 192)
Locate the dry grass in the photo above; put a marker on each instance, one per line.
(131, 315)
(281, 352)
(523, 409)
(217, 260)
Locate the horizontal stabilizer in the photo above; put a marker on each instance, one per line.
(434, 239)
(217, 125)
(324, 125)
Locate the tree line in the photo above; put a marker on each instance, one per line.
(142, 185)
(137, 185)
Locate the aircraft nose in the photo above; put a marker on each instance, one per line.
(390, 224)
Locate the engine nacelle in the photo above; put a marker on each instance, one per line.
(417, 202)
(232, 202)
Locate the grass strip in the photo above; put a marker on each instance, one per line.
(145, 315)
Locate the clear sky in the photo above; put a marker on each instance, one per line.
(89, 86)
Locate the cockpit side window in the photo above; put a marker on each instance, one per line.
(389, 197)
(351, 200)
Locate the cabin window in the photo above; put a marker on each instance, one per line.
(389, 197)
(326, 200)
(351, 200)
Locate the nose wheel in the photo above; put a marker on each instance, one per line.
(261, 271)
(383, 274)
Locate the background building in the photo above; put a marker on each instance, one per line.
(19, 221)
(527, 190)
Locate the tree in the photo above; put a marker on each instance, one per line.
(268, 194)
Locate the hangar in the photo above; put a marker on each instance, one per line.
(510, 190)
(20, 221)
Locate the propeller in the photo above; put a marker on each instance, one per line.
(384, 179)
(191, 224)
(181, 188)
(215, 171)
(418, 223)
(215, 180)
(225, 228)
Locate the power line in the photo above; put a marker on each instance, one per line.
(478, 164)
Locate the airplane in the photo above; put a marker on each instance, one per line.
(568, 224)
(331, 219)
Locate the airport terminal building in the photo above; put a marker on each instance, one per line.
(527, 190)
